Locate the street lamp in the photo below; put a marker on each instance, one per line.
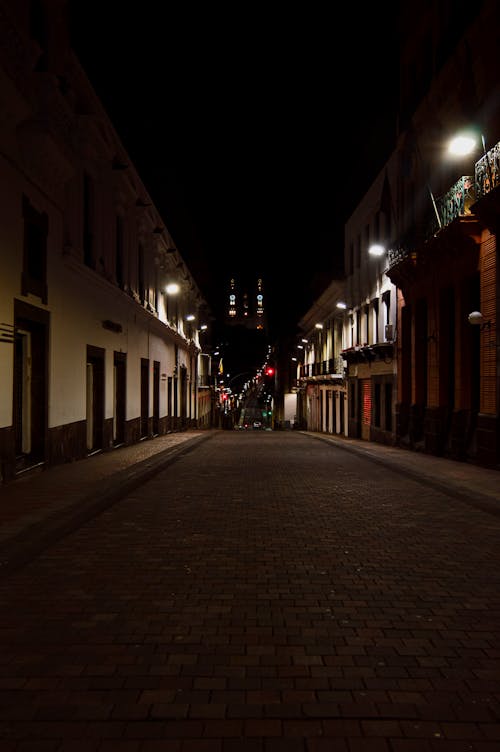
(374, 250)
(476, 318)
(463, 144)
(172, 289)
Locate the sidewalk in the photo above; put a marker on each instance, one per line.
(39, 507)
(470, 483)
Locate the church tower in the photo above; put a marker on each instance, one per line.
(245, 310)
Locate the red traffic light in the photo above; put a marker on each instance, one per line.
(269, 371)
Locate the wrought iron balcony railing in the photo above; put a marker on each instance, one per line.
(456, 202)
(396, 255)
(487, 172)
(330, 367)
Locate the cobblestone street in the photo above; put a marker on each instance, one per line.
(263, 592)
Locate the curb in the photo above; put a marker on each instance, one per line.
(21, 548)
(482, 501)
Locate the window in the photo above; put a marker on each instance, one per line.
(154, 291)
(36, 228)
(119, 252)
(88, 221)
(366, 325)
(140, 274)
(386, 298)
(375, 321)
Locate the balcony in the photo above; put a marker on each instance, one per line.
(323, 370)
(368, 353)
(487, 179)
(487, 172)
(457, 201)
(466, 197)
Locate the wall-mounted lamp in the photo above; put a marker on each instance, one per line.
(172, 288)
(342, 305)
(319, 326)
(376, 250)
(476, 318)
(190, 317)
(462, 145)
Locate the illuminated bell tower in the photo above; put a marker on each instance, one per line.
(232, 310)
(259, 307)
(245, 310)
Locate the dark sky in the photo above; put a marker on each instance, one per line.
(255, 130)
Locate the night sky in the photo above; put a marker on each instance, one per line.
(255, 130)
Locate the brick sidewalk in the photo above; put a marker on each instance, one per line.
(38, 507)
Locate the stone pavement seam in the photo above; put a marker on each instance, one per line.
(21, 548)
(479, 500)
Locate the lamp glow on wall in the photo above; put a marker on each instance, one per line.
(376, 250)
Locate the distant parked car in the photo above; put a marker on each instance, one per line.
(257, 424)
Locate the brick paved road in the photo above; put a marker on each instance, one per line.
(264, 593)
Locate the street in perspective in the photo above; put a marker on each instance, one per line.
(256, 591)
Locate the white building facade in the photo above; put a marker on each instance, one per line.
(94, 353)
(321, 385)
(370, 333)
